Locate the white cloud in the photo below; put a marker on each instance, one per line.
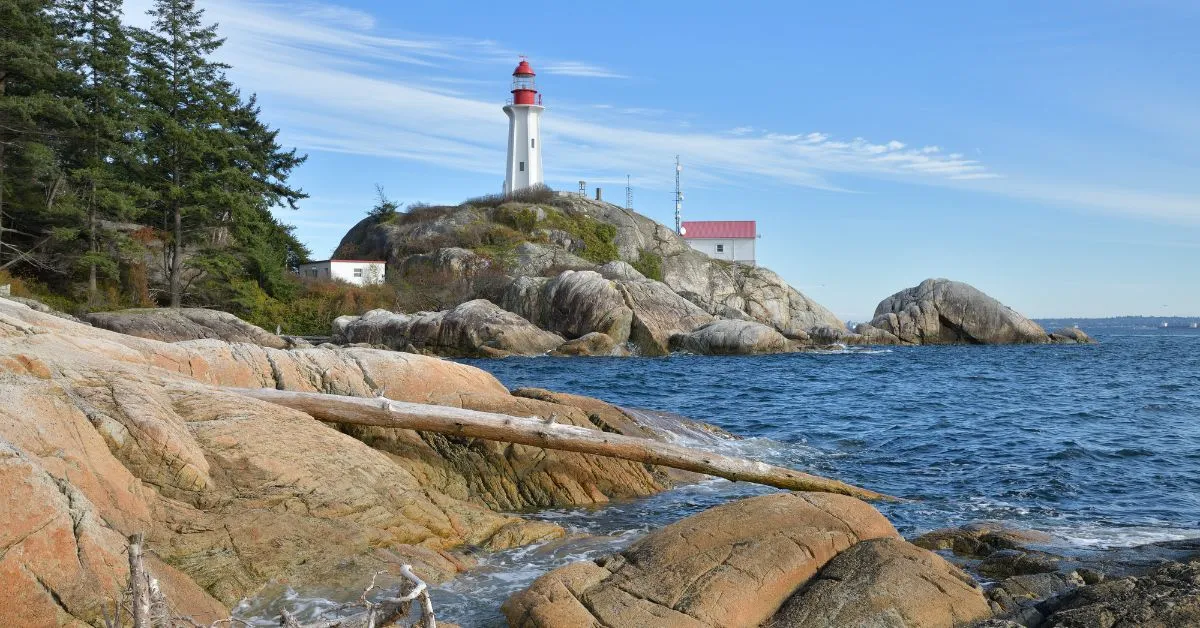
(579, 68)
(349, 88)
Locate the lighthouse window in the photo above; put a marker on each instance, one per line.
(533, 142)
(522, 166)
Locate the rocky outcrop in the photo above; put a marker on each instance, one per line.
(1168, 596)
(757, 562)
(719, 288)
(1071, 336)
(38, 306)
(731, 337)
(658, 314)
(595, 343)
(474, 328)
(885, 583)
(104, 435)
(174, 325)
(574, 303)
(940, 311)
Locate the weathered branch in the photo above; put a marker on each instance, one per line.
(138, 584)
(539, 433)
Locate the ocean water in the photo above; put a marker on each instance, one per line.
(1097, 445)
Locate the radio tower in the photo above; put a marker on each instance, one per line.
(678, 198)
(628, 194)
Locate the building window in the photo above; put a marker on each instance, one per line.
(522, 166)
(720, 248)
(533, 142)
(357, 273)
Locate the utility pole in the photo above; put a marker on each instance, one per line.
(678, 198)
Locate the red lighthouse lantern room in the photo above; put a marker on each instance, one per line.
(524, 91)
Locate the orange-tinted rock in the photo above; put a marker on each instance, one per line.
(732, 565)
(234, 493)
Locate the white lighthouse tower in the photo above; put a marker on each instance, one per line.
(524, 111)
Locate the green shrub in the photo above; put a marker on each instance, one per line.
(539, 193)
(523, 219)
(649, 264)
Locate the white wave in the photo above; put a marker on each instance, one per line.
(1101, 537)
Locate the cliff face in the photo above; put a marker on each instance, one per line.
(103, 435)
(510, 253)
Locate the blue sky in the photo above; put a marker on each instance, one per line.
(1048, 153)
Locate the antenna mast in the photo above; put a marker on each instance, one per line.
(628, 194)
(678, 198)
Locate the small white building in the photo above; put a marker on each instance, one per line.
(356, 271)
(731, 240)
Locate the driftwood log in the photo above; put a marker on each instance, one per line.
(536, 432)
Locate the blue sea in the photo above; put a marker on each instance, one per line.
(1097, 445)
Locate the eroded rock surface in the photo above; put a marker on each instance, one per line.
(732, 565)
(781, 560)
(475, 328)
(174, 325)
(885, 583)
(731, 337)
(105, 434)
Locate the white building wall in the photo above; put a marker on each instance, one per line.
(524, 147)
(731, 249)
(359, 273)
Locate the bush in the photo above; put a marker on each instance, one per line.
(533, 194)
(523, 219)
(649, 264)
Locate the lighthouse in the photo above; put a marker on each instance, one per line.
(524, 112)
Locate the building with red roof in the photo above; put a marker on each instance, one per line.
(731, 240)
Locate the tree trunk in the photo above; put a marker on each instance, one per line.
(177, 261)
(92, 248)
(540, 433)
(3, 77)
(1, 188)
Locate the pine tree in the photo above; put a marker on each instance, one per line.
(181, 89)
(33, 116)
(101, 148)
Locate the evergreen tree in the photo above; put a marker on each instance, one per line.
(180, 89)
(217, 169)
(33, 116)
(101, 148)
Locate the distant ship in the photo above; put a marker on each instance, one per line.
(1164, 324)
(1194, 325)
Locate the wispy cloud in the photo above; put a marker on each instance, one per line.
(579, 68)
(337, 84)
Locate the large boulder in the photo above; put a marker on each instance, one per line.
(474, 328)
(658, 314)
(1071, 336)
(594, 344)
(176, 324)
(744, 563)
(940, 311)
(885, 583)
(574, 303)
(105, 435)
(731, 337)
